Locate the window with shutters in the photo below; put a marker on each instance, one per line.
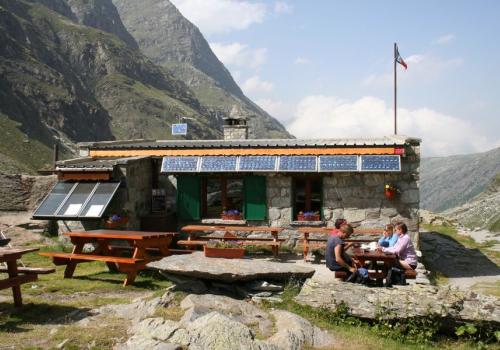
(220, 193)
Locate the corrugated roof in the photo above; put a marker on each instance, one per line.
(95, 164)
(396, 140)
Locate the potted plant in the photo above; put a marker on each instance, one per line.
(231, 215)
(220, 249)
(390, 191)
(308, 216)
(116, 220)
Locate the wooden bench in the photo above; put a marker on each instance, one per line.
(31, 270)
(274, 242)
(410, 274)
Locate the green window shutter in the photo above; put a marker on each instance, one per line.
(255, 197)
(188, 197)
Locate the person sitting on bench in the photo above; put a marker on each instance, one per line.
(338, 223)
(403, 248)
(336, 257)
(389, 238)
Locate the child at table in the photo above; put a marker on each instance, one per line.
(388, 238)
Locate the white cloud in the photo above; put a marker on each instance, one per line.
(421, 68)
(280, 110)
(444, 39)
(281, 7)
(256, 86)
(330, 117)
(241, 55)
(302, 60)
(219, 16)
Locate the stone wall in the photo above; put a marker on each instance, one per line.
(357, 197)
(235, 132)
(136, 195)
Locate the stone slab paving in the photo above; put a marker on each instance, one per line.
(400, 301)
(230, 270)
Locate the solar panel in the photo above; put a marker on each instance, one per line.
(100, 199)
(74, 203)
(297, 163)
(179, 164)
(338, 163)
(380, 163)
(215, 164)
(257, 163)
(54, 199)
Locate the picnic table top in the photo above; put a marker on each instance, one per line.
(189, 228)
(366, 231)
(8, 254)
(119, 234)
(372, 254)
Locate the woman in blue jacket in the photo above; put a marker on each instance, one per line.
(388, 238)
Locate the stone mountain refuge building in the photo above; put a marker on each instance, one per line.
(162, 185)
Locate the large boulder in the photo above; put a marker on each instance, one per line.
(230, 270)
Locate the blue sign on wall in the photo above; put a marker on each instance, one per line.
(179, 129)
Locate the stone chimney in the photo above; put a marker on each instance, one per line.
(235, 126)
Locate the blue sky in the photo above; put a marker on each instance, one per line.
(324, 68)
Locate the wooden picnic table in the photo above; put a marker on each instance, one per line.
(14, 281)
(141, 243)
(321, 241)
(229, 235)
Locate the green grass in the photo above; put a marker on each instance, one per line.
(53, 304)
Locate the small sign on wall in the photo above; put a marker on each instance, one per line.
(179, 129)
(158, 200)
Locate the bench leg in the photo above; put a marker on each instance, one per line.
(130, 278)
(16, 290)
(77, 249)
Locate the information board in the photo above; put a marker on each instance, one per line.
(257, 163)
(179, 164)
(338, 163)
(218, 163)
(380, 163)
(297, 163)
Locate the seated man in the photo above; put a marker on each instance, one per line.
(336, 257)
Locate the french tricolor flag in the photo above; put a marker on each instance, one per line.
(400, 60)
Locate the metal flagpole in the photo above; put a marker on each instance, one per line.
(395, 91)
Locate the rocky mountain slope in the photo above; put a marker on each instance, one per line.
(170, 40)
(70, 72)
(483, 211)
(448, 182)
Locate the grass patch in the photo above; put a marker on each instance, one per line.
(487, 288)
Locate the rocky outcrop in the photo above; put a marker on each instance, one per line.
(229, 270)
(23, 192)
(401, 301)
(219, 322)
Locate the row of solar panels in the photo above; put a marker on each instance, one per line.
(336, 163)
(71, 200)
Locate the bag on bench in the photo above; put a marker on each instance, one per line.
(395, 276)
(360, 276)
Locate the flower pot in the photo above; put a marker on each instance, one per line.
(116, 224)
(227, 253)
(231, 216)
(308, 217)
(389, 194)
